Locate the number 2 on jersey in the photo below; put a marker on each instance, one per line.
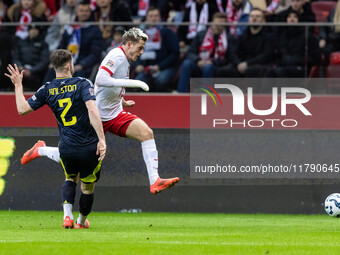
(68, 103)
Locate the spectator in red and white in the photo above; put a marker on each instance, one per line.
(237, 11)
(65, 15)
(52, 7)
(25, 12)
(209, 50)
(144, 5)
(199, 11)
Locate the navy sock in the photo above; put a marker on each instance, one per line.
(85, 203)
(68, 192)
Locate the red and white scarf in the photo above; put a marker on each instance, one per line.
(143, 6)
(273, 6)
(219, 5)
(153, 43)
(233, 16)
(208, 46)
(203, 19)
(188, 3)
(93, 4)
(22, 29)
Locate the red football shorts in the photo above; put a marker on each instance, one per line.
(119, 125)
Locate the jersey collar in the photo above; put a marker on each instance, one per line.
(120, 47)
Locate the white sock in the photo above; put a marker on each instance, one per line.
(150, 155)
(81, 219)
(68, 210)
(50, 152)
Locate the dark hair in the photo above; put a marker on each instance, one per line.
(295, 12)
(258, 9)
(152, 8)
(59, 58)
(85, 2)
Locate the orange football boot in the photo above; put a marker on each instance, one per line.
(162, 184)
(87, 224)
(68, 223)
(32, 153)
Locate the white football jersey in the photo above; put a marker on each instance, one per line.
(109, 99)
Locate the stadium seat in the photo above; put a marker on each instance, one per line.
(333, 78)
(321, 10)
(334, 58)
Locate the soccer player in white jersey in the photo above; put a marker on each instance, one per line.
(111, 81)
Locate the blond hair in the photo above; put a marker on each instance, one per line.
(134, 35)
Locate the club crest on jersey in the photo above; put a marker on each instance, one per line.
(109, 63)
(91, 91)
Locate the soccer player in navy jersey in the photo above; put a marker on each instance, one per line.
(82, 143)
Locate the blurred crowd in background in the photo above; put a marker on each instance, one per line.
(173, 53)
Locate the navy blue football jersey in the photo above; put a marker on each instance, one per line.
(67, 97)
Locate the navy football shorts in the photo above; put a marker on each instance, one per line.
(86, 163)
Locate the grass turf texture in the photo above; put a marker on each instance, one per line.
(41, 232)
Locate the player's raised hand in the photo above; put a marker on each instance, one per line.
(15, 75)
(101, 149)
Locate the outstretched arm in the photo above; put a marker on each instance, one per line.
(98, 127)
(16, 77)
(104, 79)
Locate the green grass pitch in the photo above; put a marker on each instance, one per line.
(40, 232)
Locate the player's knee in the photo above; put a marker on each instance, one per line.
(87, 188)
